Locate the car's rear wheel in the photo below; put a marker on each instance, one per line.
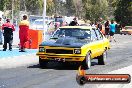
(102, 58)
(87, 61)
(43, 63)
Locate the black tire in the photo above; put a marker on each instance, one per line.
(43, 63)
(102, 58)
(87, 61)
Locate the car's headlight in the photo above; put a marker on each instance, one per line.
(41, 49)
(77, 51)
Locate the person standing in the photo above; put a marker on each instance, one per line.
(8, 29)
(74, 22)
(107, 29)
(92, 24)
(99, 26)
(1, 33)
(112, 30)
(23, 33)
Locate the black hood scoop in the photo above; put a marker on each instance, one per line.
(65, 41)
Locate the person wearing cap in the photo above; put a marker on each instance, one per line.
(1, 22)
(23, 33)
(8, 29)
(74, 22)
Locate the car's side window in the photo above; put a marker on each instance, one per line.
(56, 33)
(99, 35)
(93, 35)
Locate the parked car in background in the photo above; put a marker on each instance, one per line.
(79, 44)
(38, 25)
(126, 30)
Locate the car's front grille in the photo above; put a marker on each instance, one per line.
(59, 51)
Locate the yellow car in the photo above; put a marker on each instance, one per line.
(74, 44)
(126, 30)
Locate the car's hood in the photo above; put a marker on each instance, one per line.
(65, 42)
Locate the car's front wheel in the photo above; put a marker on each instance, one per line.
(102, 58)
(43, 63)
(87, 62)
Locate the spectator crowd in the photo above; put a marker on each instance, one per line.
(108, 28)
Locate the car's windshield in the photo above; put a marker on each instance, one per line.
(72, 32)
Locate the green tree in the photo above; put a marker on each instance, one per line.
(123, 13)
(5, 5)
(70, 7)
(95, 8)
(34, 6)
(50, 7)
(2, 4)
(78, 8)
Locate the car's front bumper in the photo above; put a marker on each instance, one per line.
(63, 58)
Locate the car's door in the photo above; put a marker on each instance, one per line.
(100, 42)
(94, 43)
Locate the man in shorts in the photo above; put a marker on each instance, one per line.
(112, 30)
